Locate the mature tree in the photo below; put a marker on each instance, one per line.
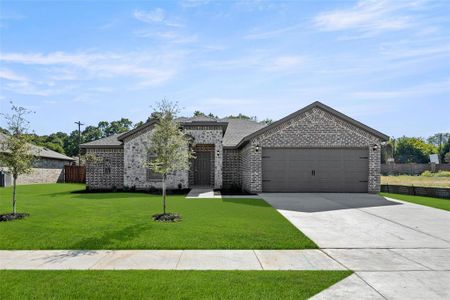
(412, 149)
(4, 130)
(169, 150)
(438, 139)
(16, 152)
(120, 126)
(91, 133)
(198, 113)
(445, 150)
(266, 121)
(242, 116)
(447, 157)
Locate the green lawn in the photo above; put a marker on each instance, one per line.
(428, 201)
(61, 219)
(166, 284)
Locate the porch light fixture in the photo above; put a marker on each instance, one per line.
(257, 148)
(375, 147)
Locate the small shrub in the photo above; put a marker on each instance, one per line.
(438, 174)
(427, 174)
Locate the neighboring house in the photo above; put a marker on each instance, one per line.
(315, 149)
(48, 167)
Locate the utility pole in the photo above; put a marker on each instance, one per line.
(79, 141)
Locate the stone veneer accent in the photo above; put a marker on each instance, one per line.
(105, 159)
(135, 174)
(314, 128)
(231, 169)
(212, 135)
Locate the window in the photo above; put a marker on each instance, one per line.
(106, 166)
(150, 174)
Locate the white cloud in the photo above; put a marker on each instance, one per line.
(10, 75)
(194, 3)
(260, 61)
(148, 68)
(169, 36)
(368, 15)
(267, 34)
(284, 63)
(417, 91)
(156, 16)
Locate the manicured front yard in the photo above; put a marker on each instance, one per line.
(166, 284)
(428, 201)
(417, 181)
(62, 219)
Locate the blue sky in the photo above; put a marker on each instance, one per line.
(385, 63)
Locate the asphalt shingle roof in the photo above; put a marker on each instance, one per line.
(104, 142)
(238, 129)
(42, 151)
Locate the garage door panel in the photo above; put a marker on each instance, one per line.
(315, 170)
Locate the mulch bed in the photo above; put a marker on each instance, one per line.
(168, 217)
(12, 217)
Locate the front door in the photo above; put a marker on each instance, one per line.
(202, 168)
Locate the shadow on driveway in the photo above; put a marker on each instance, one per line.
(318, 202)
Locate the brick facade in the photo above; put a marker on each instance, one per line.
(240, 167)
(45, 170)
(315, 128)
(231, 169)
(106, 170)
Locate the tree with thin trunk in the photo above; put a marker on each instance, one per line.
(168, 149)
(16, 154)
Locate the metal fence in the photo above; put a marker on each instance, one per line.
(416, 191)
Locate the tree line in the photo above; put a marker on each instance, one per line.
(416, 149)
(68, 143)
(402, 150)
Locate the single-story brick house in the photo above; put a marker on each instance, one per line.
(47, 168)
(316, 149)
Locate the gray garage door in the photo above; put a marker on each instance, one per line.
(315, 170)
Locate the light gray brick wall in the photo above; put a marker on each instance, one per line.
(45, 170)
(231, 169)
(96, 179)
(315, 128)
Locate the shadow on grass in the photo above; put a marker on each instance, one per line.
(252, 202)
(106, 241)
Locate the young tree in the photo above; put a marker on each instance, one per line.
(168, 147)
(16, 153)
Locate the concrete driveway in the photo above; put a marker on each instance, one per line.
(398, 250)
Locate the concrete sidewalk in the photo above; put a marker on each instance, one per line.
(167, 260)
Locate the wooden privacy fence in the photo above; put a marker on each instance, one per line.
(416, 191)
(75, 174)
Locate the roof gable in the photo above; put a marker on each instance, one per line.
(41, 151)
(323, 107)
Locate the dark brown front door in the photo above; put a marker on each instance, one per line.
(202, 168)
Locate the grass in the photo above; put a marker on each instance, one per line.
(166, 284)
(424, 181)
(427, 201)
(61, 219)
